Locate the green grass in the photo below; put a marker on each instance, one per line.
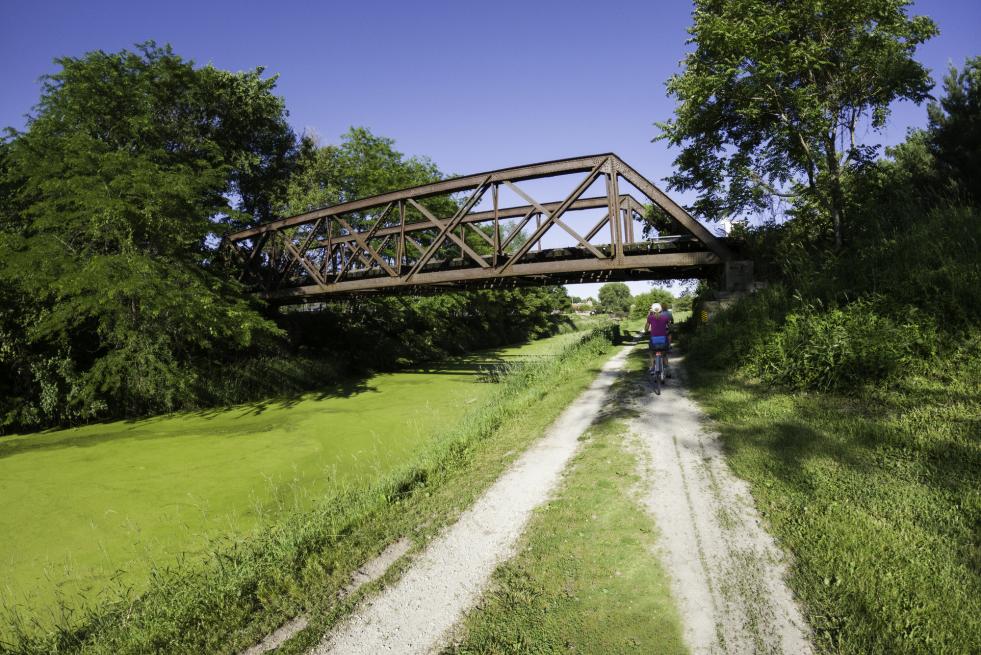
(297, 563)
(91, 511)
(877, 495)
(586, 579)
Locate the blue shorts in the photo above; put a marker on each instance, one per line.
(659, 343)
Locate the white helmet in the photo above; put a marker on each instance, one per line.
(656, 307)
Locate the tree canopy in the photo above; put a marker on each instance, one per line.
(614, 297)
(112, 299)
(126, 168)
(642, 302)
(362, 165)
(775, 97)
(955, 129)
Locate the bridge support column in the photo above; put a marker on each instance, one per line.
(738, 275)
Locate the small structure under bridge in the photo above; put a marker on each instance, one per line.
(483, 231)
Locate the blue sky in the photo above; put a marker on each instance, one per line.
(474, 86)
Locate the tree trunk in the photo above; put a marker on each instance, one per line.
(837, 196)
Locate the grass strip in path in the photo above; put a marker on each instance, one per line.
(586, 579)
(878, 497)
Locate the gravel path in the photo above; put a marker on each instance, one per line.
(727, 574)
(417, 613)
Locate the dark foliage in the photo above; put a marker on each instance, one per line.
(110, 199)
(905, 287)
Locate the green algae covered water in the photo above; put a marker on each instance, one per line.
(88, 510)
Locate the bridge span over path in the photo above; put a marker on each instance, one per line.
(477, 232)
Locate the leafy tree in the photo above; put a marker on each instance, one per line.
(109, 201)
(776, 95)
(362, 165)
(915, 233)
(614, 297)
(955, 129)
(684, 302)
(642, 302)
(559, 298)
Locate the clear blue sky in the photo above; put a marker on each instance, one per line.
(474, 86)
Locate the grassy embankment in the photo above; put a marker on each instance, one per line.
(876, 493)
(301, 556)
(587, 578)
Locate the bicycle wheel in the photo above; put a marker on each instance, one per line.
(656, 376)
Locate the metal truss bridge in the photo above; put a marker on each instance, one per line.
(477, 232)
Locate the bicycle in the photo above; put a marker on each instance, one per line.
(657, 373)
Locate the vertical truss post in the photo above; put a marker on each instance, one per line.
(401, 246)
(538, 224)
(622, 217)
(613, 220)
(628, 225)
(497, 225)
(613, 200)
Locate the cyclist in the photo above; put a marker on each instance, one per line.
(658, 322)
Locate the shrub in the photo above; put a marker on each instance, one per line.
(723, 342)
(840, 348)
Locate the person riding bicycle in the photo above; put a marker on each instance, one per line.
(658, 329)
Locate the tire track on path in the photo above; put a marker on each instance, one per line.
(727, 574)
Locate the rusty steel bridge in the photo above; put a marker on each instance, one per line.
(439, 237)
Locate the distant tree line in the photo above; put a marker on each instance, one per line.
(615, 298)
(112, 300)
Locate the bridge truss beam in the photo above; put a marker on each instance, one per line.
(430, 238)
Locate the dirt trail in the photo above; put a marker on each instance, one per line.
(417, 613)
(727, 574)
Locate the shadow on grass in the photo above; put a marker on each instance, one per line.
(913, 438)
(486, 366)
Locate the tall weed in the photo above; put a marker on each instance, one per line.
(724, 342)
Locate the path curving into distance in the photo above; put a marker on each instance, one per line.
(727, 574)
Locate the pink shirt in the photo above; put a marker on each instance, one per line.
(657, 325)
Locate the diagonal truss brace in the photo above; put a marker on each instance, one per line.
(447, 228)
(554, 216)
(557, 221)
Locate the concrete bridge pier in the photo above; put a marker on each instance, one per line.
(738, 276)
